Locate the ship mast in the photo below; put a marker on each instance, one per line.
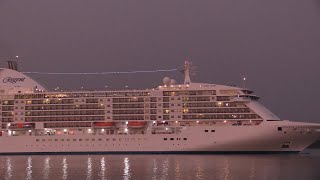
(187, 67)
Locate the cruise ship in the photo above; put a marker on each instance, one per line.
(171, 118)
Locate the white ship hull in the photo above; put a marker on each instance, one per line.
(173, 118)
(234, 139)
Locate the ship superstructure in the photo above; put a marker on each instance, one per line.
(188, 117)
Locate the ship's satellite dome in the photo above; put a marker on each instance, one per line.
(12, 81)
(173, 82)
(166, 81)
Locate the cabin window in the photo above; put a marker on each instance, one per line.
(206, 130)
(184, 138)
(171, 138)
(286, 145)
(213, 130)
(165, 139)
(279, 128)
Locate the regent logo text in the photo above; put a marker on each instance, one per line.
(12, 80)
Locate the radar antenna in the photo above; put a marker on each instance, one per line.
(187, 68)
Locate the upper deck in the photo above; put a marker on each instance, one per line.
(169, 103)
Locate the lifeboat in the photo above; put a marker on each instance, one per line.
(21, 126)
(103, 124)
(137, 124)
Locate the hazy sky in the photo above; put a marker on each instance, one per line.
(275, 43)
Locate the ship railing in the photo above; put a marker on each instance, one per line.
(241, 99)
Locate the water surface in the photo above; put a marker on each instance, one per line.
(151, 166)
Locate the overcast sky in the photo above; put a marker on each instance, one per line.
(275, 43)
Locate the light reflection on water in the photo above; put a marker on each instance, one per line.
(198, 171)
(126, 170)
(89, 170)
(8, 173)
(226, 170)
(46, 168)
(102, 168)
(252, 172)
(64, 168)
(161, 167)
(154, 169)
(29, 169)
(177, 170)
(165, 168)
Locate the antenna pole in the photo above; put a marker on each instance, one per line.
(244, 82)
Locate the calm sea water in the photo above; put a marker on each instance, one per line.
(91, 167)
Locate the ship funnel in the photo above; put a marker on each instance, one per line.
(13, 65)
